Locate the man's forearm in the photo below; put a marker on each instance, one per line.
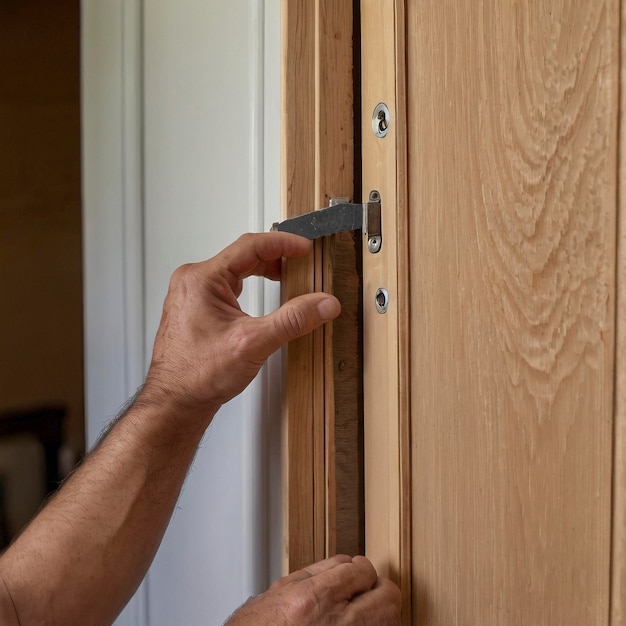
(84, 555)
(99, 534)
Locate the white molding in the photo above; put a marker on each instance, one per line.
(132, 184)
(112, 164)
(124, 205)
(133, 278)
(112, 206)
(101, 54)
(272, 374)
(254, 502)
(262, 496)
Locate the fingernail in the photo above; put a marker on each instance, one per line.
(328, 308)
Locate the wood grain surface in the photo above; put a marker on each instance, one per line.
(512, 118)
(346, 514)
(298, 188)
(340, 263)
(323, 496)
(386, 337)
(385, 349)
(618, 552)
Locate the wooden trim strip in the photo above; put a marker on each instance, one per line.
(404, 311)
(335, 178)
(618, 540)
(298, 196)
(317, 165)
(386, 350)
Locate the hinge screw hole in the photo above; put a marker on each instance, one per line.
(382, 300)
(381, 120)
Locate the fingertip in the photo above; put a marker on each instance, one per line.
(367, 568)
(326, 564)
(252, 249)
(293, 245)
(340, 558)
(328, 308)
(363, 560)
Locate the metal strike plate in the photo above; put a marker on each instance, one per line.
(373, 226)
(341, 216)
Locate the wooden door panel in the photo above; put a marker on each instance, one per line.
(512, 122)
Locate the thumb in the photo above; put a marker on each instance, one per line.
(298, 317)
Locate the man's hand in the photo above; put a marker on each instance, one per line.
(207, 350)
(84, 555)
(338, 590)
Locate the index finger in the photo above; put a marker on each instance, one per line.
(347, 579)
(313, 570)
(259, 254)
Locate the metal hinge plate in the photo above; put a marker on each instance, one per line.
(341, 216)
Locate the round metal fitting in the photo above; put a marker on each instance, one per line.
(381, 119)
(382, 300)
(374, 243)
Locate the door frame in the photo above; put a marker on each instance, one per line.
(322, 116)
(317, 164)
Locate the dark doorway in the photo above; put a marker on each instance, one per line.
(41, 346)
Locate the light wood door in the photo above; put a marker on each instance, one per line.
(510, 115)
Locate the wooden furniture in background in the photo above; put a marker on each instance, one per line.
(46, 425)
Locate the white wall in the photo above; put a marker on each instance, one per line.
(181, 155)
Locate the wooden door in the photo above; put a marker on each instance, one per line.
(494, 384)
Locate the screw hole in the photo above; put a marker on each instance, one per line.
(383, 125)
(380, 120)
(382, 300)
